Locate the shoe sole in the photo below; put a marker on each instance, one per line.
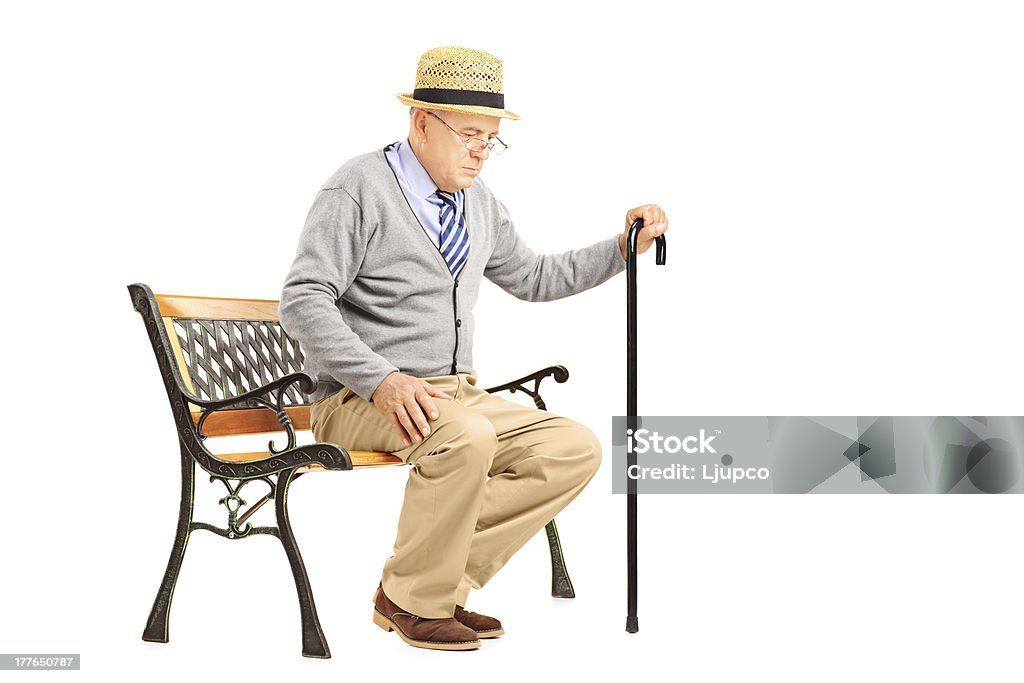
(490, 634)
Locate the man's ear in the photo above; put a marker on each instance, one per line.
(415, 124)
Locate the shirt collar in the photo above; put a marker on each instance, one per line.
(416, 176)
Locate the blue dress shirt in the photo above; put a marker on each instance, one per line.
(417, 185)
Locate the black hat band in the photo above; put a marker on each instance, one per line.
(478, 98)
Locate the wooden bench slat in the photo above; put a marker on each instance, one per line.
(359, 458)
(180, 306)
(249, 420)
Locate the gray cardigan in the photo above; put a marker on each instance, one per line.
(369, 293)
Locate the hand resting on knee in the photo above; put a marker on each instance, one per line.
(406, 400)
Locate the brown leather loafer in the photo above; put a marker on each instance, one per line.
(485, 626)
(434, 634)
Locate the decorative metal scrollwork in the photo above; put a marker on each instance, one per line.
(233, 502)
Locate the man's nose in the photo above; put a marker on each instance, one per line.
(480, 153)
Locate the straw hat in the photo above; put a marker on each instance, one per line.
(459, 79)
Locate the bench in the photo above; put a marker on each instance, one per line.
(230, 369)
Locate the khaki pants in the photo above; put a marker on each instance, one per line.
(491, 474)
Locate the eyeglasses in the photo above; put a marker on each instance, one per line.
(476, 144)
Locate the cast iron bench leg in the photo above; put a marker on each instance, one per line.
(313, 642)
(561, 586)
(157, 625)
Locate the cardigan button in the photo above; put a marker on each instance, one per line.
(458, 322)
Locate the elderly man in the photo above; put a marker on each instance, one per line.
(380, 296)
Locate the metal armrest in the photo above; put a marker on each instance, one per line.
(557, 371)
(329, 456)
(255, 399)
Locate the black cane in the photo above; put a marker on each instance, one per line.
(632, 626)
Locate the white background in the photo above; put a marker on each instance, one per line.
(844, 186)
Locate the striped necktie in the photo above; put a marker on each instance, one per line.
(454, 244)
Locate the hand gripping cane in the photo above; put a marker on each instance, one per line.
(632, 626)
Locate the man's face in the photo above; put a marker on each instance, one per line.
(443, 154)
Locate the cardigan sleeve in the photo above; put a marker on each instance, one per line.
(514, 267)
(331, 249)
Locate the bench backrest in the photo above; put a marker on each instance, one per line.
(222, 348)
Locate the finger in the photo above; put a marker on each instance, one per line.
(416, 413)
(634, 213)
(428, 405)
(410, 428)
(649, 212)
(399, 429)
(654, 231)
